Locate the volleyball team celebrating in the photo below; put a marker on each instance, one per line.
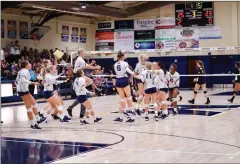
(153, 82)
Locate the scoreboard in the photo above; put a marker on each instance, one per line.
(194, 14)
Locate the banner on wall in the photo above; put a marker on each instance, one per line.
(83, 35)
(2, 28)
(105, 25)
(144, 45)
(104, 36)
(75, 34)
(165, 23)
(23, 30)
(187, 37)
(124, 25)
(144, 24)
(210, 32)
(104, 46)
(144, 35)
(165, 39)
(12, 29)
(124, 41)
(65, 33)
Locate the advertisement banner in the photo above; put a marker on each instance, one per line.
(187, 37)
(165, 23)
(124, 25)
(104, 46)
(144, 45)
(105, 25)
(165, 44)
(65, 33)
(83, 35)
(75, 33)
(165, 39)
(12, 29)
(2, 28)
(104, 36)
(144, 24)
(210, 32)
(144, 35)
(187, 43)
(23, 30)
(124, 41)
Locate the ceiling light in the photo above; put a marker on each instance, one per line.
(75, 8)
(84, 6)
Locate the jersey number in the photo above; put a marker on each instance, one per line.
(148, 75)
(118, 67)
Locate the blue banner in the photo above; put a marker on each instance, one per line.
(12, 29)
(23, 30)
(144, 45)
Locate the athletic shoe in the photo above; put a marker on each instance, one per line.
(180, 98)
(160, 114)
(126, 114)
(68, 118)
(138, 112)
(69, 112)
(1, 122)
(164, 116)
(55, 117)
(118, 119)
(191, 101)
(65, 119)
(230, 100)
(146, 118)
(175, 113)
(41, 115)
(84, 122)
(97, 119)
(208, 101)
(42, 120)
(130, 120)
(156, 118)
(35, 126)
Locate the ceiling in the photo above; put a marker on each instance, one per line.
(48, 10)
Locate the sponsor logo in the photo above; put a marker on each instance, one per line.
(187, 32)
(182, 45)
(145, 23)
(165, 21)
(118, 36)
(104, 25)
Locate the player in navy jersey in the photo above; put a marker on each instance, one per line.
(200, 82)
(236, 81)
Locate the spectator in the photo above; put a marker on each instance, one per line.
(2, 56)
(17, 51)
(11, 52)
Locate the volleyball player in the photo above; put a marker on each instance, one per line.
(140, 67)
(200, 82)
(81, 64)
(22, 84)
(121, 69)
(160, 82)
(147, 76)
(81, 92)
(53, 99)
(173, 80)
(236, 81)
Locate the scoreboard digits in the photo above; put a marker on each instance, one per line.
(194, 14)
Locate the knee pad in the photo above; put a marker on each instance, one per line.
(129, 98)
(60, 107)
(195, 92)
(205, 92)
(140, 97)
(234, 92)
(174, 99)
(29, 110)
(155, 105)
(123, 100)
(35, 105)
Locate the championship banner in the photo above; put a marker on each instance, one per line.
(23, 30)
(75, 33)
(165, 39)
(165, 23)
(187, 37)
(12, 29)
(210, 32)
(65, 33)
(83, 35)
(124, 25)
(124, 41)
(144, 24)
(105, 25)
(104, 46)
(2, 28)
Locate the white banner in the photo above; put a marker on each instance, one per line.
(210, 32)
(165, 22)
(187, 33)
(144, 24)
(165, 39)
(165, 44)
(124, 41)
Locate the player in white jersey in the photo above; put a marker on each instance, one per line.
(81, 92)
(161, 84)
(53, 99)
(121, 69)
(173, 79)
(147, 76)
(140, 67)
(22, 84)
(81, 64)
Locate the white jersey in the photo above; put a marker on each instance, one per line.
(173, 79)
(120, 69)
(80, 86)
(80, 64)
(148, 78)
(139, 68)
(49, 81)
(23, 80)
(160, 80)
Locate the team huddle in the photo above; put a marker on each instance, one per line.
(153, 82)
